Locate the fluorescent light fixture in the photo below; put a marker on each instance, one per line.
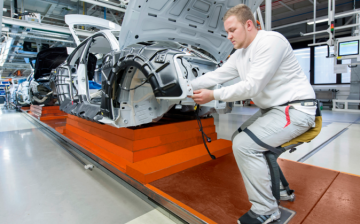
(5, 29)
(50, 33)
(107, 5)
(318, 21)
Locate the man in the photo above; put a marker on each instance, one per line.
(272, 77)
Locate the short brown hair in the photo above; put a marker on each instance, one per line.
(242, 12)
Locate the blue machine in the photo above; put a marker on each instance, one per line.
(94, 85)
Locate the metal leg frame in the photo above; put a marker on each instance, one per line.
(277, 175)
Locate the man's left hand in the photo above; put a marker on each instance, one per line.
(203, 96)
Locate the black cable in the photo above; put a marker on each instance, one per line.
(187, 73)
(147, 79)
(77, 93)
(202, 131)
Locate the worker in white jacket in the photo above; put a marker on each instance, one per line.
(272, 78)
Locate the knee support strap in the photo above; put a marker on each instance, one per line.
(275, 171)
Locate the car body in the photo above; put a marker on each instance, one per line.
(4, 88)
(36, 89)
(22, 97)
(40, 91)
(163, 45)
(14, 87)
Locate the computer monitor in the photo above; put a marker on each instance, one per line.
(347, 48)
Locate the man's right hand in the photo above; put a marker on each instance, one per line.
(203, 96)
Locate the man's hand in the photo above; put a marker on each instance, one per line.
(203, 96)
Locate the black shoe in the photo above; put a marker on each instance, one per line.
(252, 218)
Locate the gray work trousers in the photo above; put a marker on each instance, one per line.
(269, 126)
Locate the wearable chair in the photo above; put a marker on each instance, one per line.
(273, 153)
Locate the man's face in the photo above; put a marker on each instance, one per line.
(236, 31)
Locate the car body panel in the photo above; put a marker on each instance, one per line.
(75, 19)
(194, 22)
(22, 97)
(72, 78)
(49, 59)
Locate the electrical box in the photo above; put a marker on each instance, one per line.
(33, 17)
(347, 47)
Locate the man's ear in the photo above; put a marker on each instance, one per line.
(248, 25)
(252, 25)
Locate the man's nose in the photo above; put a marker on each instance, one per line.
(229, 36)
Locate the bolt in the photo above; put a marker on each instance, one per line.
(136, 106)
(125, 121)
(149, 108)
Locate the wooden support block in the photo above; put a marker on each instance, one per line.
(110, 135)
(161, 166)
(122, 132)
(170, 138)
(61, 130)
(149, 130)
(113, 159)
(47, 112)
(100, 142)
(163, 147)
(52, 117)
(174, 146)
(99, 133)
(170, 128)
(34, 115)
(53, 114)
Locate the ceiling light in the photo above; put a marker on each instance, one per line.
(318, 21)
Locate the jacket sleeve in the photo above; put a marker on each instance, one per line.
(267, 58)
(223, 74)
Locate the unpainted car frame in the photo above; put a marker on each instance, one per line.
(162, 46)
(36, 89)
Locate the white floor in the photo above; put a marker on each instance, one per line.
(41, 183)
(342, 154)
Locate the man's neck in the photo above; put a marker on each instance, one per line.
(252, 36)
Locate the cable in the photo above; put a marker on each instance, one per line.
(187, 73)
(197, 108)
(146, 80)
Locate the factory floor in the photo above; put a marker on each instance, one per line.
(40, 182)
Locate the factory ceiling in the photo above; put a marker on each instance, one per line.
(289, 17)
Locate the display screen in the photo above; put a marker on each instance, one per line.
(349, 48)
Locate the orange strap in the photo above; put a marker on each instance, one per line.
(287, 116)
